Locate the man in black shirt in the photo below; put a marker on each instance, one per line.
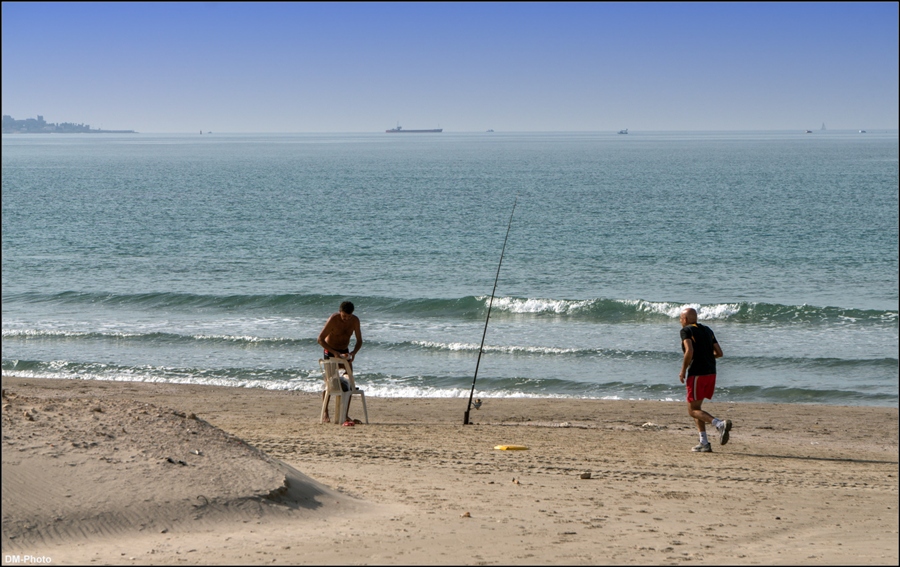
(701, 349)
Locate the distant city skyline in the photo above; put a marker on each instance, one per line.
(339, 67)
(38, 125)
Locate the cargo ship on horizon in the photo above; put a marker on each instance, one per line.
(399, 130)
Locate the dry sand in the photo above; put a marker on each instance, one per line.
(137, 473)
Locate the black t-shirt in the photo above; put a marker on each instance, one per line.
(704, 361)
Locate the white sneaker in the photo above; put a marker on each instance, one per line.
(723, 430)
(702, 448)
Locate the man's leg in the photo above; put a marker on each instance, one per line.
(349, 401)
(701, 418)
(326, 355)
(345, 387)
(325, 419)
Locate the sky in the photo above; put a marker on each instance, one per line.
(465, 67)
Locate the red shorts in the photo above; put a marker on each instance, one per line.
(700, 387)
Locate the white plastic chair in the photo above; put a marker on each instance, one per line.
(331, 373)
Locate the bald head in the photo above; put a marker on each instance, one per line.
(688, 316)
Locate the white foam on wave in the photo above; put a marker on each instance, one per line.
(153, 376)
(718, 311)
(565, 307)
(509, 349)
(538, 305)
(13, 333)
(447, 346)
(236, 338)
(37, 333)
(313, 384)
(673, 310)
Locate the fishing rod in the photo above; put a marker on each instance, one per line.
(488, 318)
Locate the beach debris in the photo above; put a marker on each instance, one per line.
(465, 515)
(97, 409)
(197, 452)
(28, 416)
(585, 475)
(651, 425)
(516, 481)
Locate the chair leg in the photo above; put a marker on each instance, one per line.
(325, 399)
(362, 398)
(336, 417)
(345, 406)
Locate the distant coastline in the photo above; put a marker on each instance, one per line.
(40, 126)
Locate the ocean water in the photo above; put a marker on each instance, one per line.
(216, 259)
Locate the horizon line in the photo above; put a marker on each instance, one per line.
(210, 132)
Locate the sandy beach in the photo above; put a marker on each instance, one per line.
(143, 473)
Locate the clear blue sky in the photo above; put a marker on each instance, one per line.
(335, 67)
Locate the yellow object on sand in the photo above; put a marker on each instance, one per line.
(511, 448)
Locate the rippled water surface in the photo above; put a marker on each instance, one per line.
(218, 259)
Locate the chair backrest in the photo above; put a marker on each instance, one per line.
(331, 374)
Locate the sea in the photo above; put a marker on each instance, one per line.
(217, 258)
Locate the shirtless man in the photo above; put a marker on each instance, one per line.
(701, 349)
(335, 339)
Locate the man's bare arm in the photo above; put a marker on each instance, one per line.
(717, 351)
(357, 332)
(688, 357)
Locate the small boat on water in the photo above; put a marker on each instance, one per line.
(862, 131)
(809, 131)
(625, 131)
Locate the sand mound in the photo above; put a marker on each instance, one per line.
(81, 468)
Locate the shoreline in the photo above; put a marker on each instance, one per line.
(85, 478)
(462, 399)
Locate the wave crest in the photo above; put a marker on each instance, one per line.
(601, 310)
